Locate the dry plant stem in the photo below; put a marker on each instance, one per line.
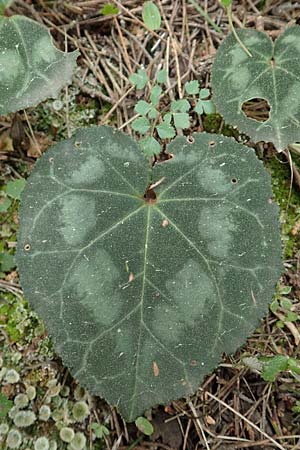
(120, 6)
(229, 14)
(126, 57)
(295, 175)
(291, 326)
(245, 419)
(199, 425)
(32, 133)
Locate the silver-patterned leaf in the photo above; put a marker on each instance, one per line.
(31, 67)
(142, 296)
(273, 74)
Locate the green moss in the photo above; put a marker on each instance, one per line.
(281, 179)
(213, 123)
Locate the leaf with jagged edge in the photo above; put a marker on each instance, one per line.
(141, 297)
(31, 67)
(272, 73)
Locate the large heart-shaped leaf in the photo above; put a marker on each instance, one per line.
(31, 67)
(273, 74)
(141, 296)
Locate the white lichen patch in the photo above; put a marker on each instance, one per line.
(214, 180)
(238, 55)
(11, 65)
(290, 39)
(90, 171)
(95, 281)
(188, 292)
(216, 227)
(78, 217)
(44, 51)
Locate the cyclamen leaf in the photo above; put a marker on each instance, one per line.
(142, 107)
(181, 105)
(192, 87)
(139, 79)
(165, 130)
(140, 297)
(273, 74)
(31, 67)
(151, 16)
(181, 120)
(150, 146)
(141, 125)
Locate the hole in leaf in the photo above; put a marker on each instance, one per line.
(234, 180)
(26, 247)
(257, 109)
(51, 160)
(77, 144)
(212, 143)
(150, 195)
(272, 62)
(190, 139)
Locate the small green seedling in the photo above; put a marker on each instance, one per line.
(5, 405)
(99, 430)
(283, 307)
(158, 126)
(144, 426)
(151, 16)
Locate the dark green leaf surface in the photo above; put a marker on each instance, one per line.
(273, 73)
(31, 67)
(141, 298)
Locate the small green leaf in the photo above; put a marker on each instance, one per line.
(285, 290)
(199, 107)
(204, 93)
(192, 87)
(182, 105)
(294, 365)
(150, 146)
(14, 188)
(31, 67)
(181, 120)
(108, 9)
(155, 94)
(6, 262)
(5, 203)
(144, 426)
(226, 3)
(139, 79)
(142, 107)
(273, 366)
(5, 405)
(167, 118)
(285, 303)
(291, 317)
(274, 306)
(141, 125)
(151, 16)
(162, 76)
(165, 130)
(99, 430)
(153, 113)
(208, 106)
